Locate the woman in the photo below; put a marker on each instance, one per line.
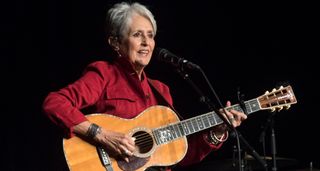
(122, 88)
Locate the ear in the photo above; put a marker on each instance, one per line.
(114, 43)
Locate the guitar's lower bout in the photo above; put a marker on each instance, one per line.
(82, 156)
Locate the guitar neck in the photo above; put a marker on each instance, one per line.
(198, 123)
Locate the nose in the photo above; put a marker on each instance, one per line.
(144, 40)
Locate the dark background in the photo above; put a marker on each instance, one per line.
(252, 46)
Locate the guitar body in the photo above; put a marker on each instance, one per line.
(83, 156)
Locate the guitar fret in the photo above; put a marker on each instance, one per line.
(190, 127)
(238, 108)
(210, 122)
(200, 123)
(173, 133)
(195, 125)
(185, 128)
(248, 107)
(212, 119)
(254, 104)
(205, 121)
(218, 120)
(180, 126)
(177, 130)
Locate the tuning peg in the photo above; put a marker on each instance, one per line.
(273, 90)
(280, 108)
(287, 107)
(273, 109)
(281, 87)
(267, 92)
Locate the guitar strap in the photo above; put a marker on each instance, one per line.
(162, 99)
(105, 159)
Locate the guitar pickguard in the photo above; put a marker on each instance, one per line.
(134, 163)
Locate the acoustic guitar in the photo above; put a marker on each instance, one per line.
(160, 136)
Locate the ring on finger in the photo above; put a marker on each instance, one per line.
(126, 151)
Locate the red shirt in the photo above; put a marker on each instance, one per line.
(114, 88)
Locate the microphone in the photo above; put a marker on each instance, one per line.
(164, 55)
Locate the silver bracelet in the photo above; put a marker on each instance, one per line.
(93, 130)
(215, 140)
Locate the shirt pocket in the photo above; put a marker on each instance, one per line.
(118, 93)
(121, 102)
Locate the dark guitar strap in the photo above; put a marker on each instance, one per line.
(105, 159)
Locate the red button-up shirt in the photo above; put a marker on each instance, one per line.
(114, 88)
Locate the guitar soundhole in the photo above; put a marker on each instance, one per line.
(144, 141)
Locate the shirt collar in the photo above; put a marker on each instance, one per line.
(128, 68)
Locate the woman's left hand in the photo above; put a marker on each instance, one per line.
(233, 116)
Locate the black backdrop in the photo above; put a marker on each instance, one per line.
(254, 46)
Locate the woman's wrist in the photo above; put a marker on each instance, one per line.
(93, 130)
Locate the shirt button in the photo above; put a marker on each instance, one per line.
(147, 96)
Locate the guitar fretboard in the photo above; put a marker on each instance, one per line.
(195, 124)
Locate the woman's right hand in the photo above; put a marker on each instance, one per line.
(116, 143)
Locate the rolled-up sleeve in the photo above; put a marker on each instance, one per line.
(63, 107)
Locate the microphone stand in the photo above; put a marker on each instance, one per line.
(273, 145)
(270, 124)
(211, 106)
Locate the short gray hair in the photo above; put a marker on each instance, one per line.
(120, 16)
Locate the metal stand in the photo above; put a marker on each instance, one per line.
(270, 125)
(273, 145)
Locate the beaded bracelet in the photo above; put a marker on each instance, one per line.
(215, 140)
(93, 130)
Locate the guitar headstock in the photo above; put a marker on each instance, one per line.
(277, 99)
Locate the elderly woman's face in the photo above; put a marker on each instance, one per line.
(139, 43)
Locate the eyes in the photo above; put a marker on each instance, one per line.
(140, 34)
